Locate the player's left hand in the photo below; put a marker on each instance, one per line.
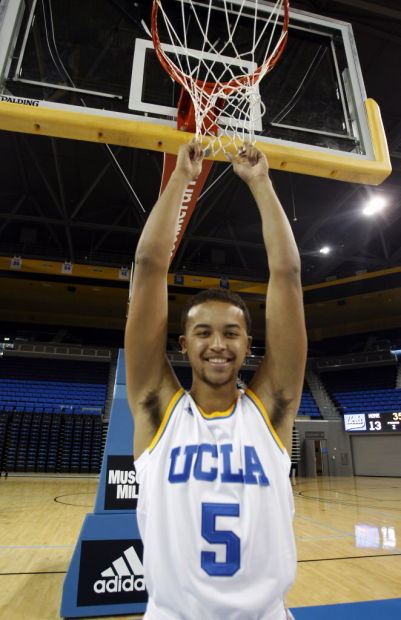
(249, 163)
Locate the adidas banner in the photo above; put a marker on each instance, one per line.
(121, 491)
(111, 572)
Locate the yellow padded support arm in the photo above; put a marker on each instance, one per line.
(143, 135)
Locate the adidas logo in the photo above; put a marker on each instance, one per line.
(124, 575)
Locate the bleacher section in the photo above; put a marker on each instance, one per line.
(367, 389)
(51, 414)
(52, 386)
(36, 442)
(308, 405)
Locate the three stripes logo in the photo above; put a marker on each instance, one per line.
(124, 575)
(111, 573)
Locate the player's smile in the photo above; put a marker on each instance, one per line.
(219, 364)
(218, 361)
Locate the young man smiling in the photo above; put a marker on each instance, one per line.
(215, 507)
(216, 340)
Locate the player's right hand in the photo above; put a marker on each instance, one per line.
(249, 163)
(189, 159)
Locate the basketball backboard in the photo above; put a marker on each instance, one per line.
(89, 75)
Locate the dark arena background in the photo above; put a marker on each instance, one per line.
(71, 213)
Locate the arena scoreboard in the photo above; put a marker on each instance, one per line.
(375, 421)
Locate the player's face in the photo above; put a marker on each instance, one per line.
(216, 341)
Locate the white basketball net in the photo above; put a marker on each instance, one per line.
(231, 99)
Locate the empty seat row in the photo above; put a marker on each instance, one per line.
(52, 401)
(369, 392)
(41, 442)
(49, 379)
(46, 408)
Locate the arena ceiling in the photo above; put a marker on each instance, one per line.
(87, 203)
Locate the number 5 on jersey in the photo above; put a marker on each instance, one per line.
(233, 553)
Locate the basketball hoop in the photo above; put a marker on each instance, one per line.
(220, 97)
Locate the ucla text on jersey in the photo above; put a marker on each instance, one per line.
(209, 461)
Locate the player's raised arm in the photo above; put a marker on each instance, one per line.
(278, 381)
(150, 380)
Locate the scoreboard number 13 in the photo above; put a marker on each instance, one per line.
(375, 425)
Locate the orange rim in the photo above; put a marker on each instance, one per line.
(251, 78)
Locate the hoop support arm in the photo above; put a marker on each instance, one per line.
(61, 123)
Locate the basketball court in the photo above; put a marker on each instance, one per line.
(348, 533)
(312, 116)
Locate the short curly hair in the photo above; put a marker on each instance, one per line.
(216, 294)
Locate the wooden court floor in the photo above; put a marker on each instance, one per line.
(348, 533)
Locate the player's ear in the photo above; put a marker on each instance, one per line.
(183, 343)
(248, 351)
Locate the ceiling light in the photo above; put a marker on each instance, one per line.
(325, 250)
(375, 205)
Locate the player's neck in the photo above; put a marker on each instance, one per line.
(214, 398)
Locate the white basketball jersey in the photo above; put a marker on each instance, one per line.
(215, 514)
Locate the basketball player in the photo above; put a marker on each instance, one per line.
(215, 505)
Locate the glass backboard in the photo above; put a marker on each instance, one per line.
(69, 71)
